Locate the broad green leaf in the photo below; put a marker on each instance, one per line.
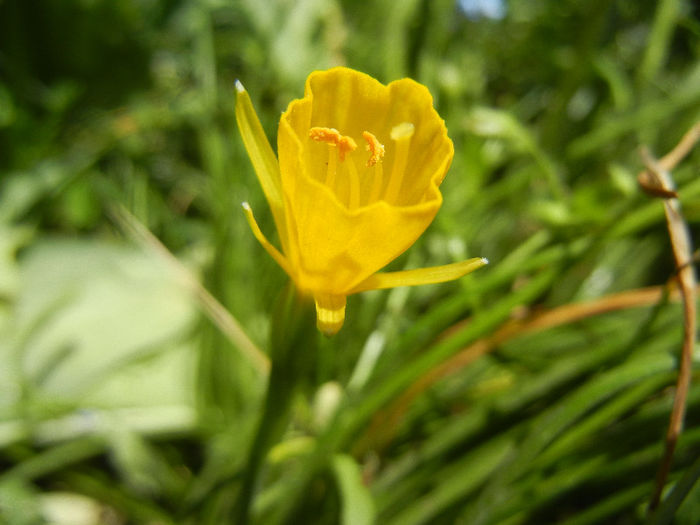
(358, 507)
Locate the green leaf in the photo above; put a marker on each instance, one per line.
(358, 507)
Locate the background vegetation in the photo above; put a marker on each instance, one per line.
(528, 392)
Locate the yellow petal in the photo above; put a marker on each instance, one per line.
(269, 248)
(432, 275)
(330, 313)
(336, 247)
(353, 102)
(262, 158)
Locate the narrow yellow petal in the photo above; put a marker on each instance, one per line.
(330, 313)
(263, 158)
(269, 248)
(432, 275)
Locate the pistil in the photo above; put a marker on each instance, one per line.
(344, 145)
(401, 135)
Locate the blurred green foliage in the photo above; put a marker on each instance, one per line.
(121, 403)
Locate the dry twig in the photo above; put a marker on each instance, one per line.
(657, 180)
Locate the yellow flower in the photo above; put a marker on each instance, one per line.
(344, 211)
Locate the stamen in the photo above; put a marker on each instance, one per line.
(377, 183)
(344, 143)
(332, 168)
(354, 200)
(401, 135)
(375, 148)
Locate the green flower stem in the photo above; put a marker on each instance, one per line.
(292, 351)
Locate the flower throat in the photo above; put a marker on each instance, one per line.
(342, 164)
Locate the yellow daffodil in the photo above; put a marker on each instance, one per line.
(344, 211)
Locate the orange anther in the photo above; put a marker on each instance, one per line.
(375, 148)
(332, 136)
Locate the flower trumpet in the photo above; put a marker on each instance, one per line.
(344, 211)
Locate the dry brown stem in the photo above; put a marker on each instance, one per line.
(657, 181)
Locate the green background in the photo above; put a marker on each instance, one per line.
(122, 401)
